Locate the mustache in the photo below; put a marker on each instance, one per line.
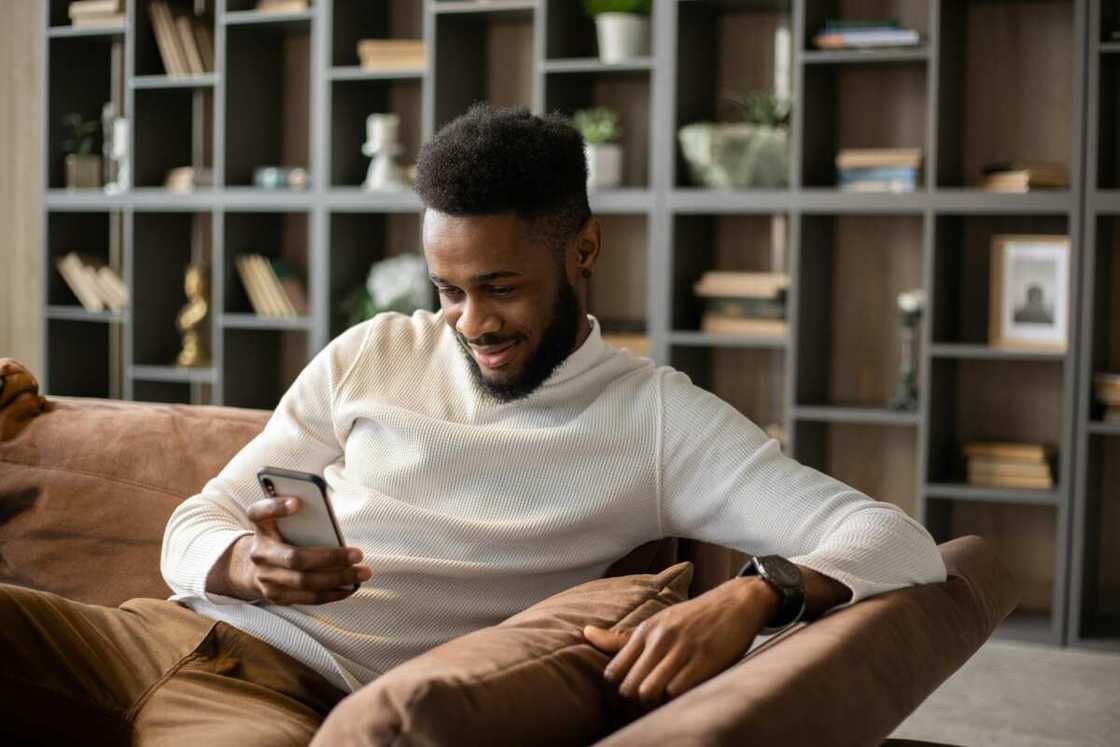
(487, 340)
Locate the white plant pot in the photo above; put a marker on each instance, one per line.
(604, 165)
(622, 36)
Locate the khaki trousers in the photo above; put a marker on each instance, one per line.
(150, 672)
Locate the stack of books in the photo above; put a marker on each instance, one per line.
(391, 54)
(879, 169)
(743, 303)
(1023, 176)
(272, 286)
(842, 34)
(282, 6)
(97, 13)
(1107, 388)
(1002, 464)
(187, 178)
(186, 42)
(95, 285)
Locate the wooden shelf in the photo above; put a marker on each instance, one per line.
(865, 56)
(966, 351)
(172, 374)
(85, 32)
(1100, 428)
(855, 415)
(591, 65)
(255, 321)
(357, 73)
(79, 314)
(258, 18)
(182, 81)
(707, 339)
(491, 7)
(963, 492)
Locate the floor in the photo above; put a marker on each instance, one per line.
(1025, 695)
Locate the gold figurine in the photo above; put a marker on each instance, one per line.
(193, 320)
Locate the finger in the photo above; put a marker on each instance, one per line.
(610, 641)
(652, 653)
(652, 690)
(266, 511)
(317, 580)
(624, 659)
(304, 558)
(689, 676)
(284, 595)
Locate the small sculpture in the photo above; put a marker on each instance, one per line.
(382, 147)
(193, 319)
(119, 153)
(910, 306)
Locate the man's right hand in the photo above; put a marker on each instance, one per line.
(261, 566)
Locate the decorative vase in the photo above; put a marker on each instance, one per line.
(83, 172)
(736, 156)
(622, 36)
(604, 165)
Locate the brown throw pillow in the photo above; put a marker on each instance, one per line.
(532, 679)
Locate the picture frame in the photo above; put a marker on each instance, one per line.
(1029, 298)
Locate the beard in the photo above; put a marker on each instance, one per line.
(556, 345)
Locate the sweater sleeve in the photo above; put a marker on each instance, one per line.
(724, 481)
(301, 434)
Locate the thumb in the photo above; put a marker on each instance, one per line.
(610, 641)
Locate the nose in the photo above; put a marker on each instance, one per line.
(477, 319)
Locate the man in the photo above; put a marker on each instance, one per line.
(487, 456)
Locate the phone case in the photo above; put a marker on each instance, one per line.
(314, 525)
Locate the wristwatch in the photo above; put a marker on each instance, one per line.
(785, 578)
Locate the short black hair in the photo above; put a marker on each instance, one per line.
(506, 159)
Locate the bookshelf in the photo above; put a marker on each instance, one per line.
(1094, 615)
(287, 90)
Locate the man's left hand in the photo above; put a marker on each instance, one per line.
(684, 645)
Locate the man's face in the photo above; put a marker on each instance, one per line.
(507, 297)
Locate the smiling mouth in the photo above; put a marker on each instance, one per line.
(494, 356)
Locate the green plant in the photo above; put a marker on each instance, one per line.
(598, 125)
(77, 137)
(595, 7)
(761, 108)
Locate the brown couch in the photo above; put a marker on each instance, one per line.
(89, 478)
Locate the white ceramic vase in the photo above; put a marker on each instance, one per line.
(622, 36)
(604, 165)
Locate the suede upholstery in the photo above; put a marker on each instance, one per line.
(87, 485)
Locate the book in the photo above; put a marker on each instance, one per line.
(391, 54)
(746, 308)
(1030, 483)
(717, 324)
(869, 37)
(991, 467)
(92, 8)
(727, 284)
(204, 40)
(184, 25)
(93, 283)
(163, 27)
(250, 284)
(117, 19)
(870, 158)
(282, 6)
(1106, 387)
(274, 298)
(288, 286)
(188, 178)
(1024, 176)
(1008, 451)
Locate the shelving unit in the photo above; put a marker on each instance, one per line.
(1094, 612)
(287, 91)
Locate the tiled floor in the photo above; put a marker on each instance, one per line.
(1024, 695)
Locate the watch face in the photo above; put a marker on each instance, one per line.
(781, 571)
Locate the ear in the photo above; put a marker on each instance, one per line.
(587, 245)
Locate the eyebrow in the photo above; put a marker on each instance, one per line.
(484, 278)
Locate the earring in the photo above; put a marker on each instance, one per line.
(586, 272)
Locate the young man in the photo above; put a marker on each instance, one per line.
(496, 452)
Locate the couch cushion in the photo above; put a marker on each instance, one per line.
(87, 486)
(530, 680)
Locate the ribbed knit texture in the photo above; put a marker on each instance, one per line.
(468, 510)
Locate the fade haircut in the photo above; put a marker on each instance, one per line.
(507, 160)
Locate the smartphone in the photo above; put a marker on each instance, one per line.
(314, 525)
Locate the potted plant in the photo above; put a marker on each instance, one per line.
(83, 167)
(752, 152)
(601, 131)
(622, 27)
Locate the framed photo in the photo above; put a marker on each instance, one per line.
(1029, 298)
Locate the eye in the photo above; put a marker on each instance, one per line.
(449, 292)
(501, 291)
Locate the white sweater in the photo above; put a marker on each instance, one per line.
(468, 510)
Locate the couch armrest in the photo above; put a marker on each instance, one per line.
(849, 678)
